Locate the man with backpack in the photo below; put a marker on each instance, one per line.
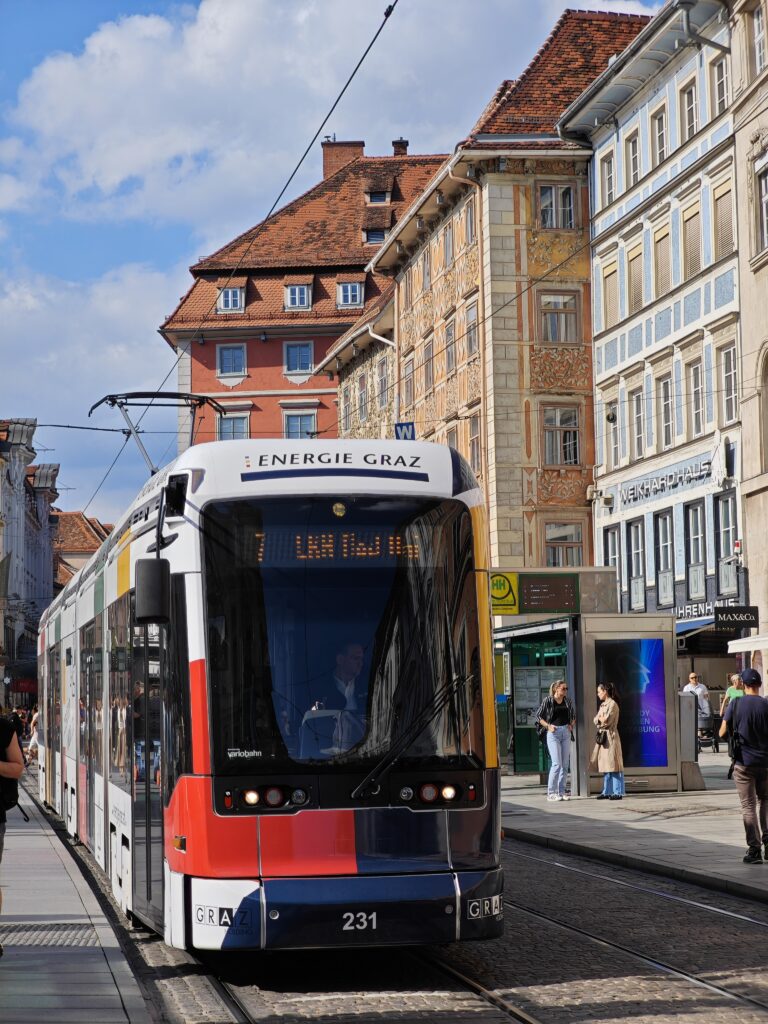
(11, 770)
(748, 718)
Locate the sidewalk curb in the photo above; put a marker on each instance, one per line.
(733, 888)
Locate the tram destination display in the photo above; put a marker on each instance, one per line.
(549, 592)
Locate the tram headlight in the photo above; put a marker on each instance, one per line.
(299, 797)
(250, 797)
(448, 793)
(429, 793)
(274, 797)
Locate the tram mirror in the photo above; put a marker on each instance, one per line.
(153, 591)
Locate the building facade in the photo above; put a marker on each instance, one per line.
(27, 534)
(492, 308)
(264, 310)
(667, 337)
(750, 115)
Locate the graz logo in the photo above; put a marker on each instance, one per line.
(488, 907)
(223, 917)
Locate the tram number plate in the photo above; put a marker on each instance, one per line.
(490, 906)
(359, 922)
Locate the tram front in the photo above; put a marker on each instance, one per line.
(351, 718)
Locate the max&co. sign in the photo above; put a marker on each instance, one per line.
(736, 616)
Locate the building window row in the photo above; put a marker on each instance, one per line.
(688, 111)
(473, 452)
(236, 426)
(457, 233)
(640, 404)
(231, 360)
(663, 256)
(379, 380)
(663, 545)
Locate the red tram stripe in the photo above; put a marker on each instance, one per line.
(216, 847)
(308, 843)
(201, 745)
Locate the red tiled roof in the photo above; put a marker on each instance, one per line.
(575, 53)
(265, 302)
(324, 226)
(79, 533)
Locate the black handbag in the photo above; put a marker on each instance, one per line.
(602, 738)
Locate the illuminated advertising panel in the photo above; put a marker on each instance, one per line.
(636, 669)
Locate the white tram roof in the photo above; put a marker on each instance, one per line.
(221, 470)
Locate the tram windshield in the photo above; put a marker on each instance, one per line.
(332, 624)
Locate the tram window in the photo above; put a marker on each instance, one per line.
(175, 662)
(120, 697)
(333, 625)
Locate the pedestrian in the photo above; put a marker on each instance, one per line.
(606, 756)
(734, 691)
(11, 767)
(32, 749)
(555, 719)
(748, 717)
(704, 708)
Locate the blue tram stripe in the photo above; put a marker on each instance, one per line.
(392, 474)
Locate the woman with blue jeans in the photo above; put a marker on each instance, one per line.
(557, 716)
(607, 756)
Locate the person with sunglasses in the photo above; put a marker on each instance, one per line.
(555, 720)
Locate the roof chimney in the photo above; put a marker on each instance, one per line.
(337, 154)
(400, 147)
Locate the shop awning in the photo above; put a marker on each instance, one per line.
(689, 625)
(748, 644)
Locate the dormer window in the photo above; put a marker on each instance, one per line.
(350, 293)
(378, 197)
(297, 296)
(375, 236)
(231, 300)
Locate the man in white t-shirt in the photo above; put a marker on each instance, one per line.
(695, 685)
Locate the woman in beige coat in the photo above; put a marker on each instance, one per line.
(606, 757)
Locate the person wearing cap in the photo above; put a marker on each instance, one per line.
(748, 717)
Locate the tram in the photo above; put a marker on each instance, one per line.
(267, 701)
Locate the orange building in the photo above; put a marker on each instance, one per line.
(264, 310)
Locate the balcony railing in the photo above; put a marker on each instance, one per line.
(665, 588)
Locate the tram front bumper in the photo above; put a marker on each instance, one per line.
(363, 910)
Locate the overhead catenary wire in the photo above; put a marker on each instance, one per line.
(388, 11)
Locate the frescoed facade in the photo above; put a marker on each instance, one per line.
(665, 310)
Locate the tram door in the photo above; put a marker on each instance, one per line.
(147, 765)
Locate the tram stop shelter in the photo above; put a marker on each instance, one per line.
(552, 624)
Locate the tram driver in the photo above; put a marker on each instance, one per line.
(335, 720)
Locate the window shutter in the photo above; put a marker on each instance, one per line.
(635, 280)
(723, 223)
(611, 289)
(692, 243)
(662, 262)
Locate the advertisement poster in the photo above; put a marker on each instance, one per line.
(636, 669)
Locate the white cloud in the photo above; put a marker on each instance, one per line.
(70, 344)
(197, 120)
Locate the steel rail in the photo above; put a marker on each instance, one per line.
(659, 965)
(642, 888)
(513, 1011)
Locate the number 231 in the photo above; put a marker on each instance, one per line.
(358, 922)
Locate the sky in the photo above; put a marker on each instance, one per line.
(137, 136)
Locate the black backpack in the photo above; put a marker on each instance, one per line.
(9, 788)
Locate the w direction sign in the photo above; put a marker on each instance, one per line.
(405, 431)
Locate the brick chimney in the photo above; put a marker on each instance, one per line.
(400, 147)
(337, 154)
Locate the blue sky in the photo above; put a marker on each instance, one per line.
(136, 137)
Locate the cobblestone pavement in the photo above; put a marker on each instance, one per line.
(555, 975)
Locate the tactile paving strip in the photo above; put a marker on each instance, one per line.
(48, 935)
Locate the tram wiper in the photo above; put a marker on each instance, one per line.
(370, 784)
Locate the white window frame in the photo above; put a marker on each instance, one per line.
(346, 409)
(727, 579)
(225, 303)
(232, 417)
(557, 551)
(665, 554)
(637, 406)
(298, 296)
(632, 159)
(474, 442)
(696, 551)
(666, 414)
(730, 383)
(448, 245)
(556, 214)
(289, 414)
(429, 364)
(220, 352)
(696, 384)
(349, 293)
(381, 382)
(469, 222)
(758, 38)
(611, 548)
(287, 346)
(762, 199)
(561, 440)
(636, 563)
(688, 111)
(372, 236)
(607, 179)
(472, 329)
(659, 140)
(613, 453)
(450, 347)
(720, 84)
